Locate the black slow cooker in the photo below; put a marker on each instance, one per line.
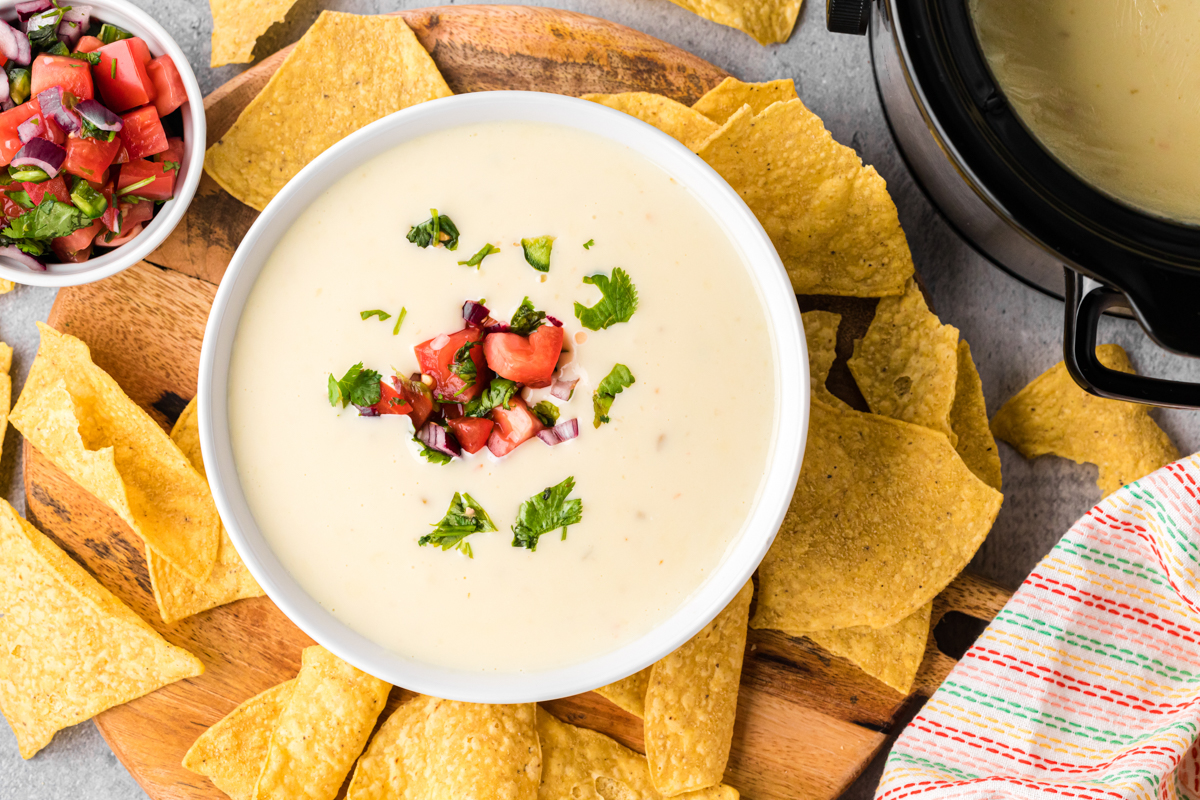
(1017, 205)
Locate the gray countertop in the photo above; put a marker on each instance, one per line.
(1015, 332)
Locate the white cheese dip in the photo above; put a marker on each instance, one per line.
(666, 486)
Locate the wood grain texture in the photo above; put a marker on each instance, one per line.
(808, 722)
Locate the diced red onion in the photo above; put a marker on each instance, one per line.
(499, 327)
(30, 7)
(75, 21)
(553, 321)
(440, 341)
(41, 153)
(435, 437)
(13, 253)
(14, 44)
(562, 432)
(367, 411)
(98, 115)
(32, 128)
(563, 389)
(51, 103)
(474, 313)
(7, 105)
(4, 93)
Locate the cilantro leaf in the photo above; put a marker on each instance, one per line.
(464, 366)
(588, 244)
(464, 517)
(53, 218)
(544, 512)
(547, 412)
(90, 131)
(477, 259)
(399, 321)
(431, 455)
(92, 58)
(375, 312)
(619, 379)
(526, 319)
(169, 165)
(358, 386)
(437, 230)
(619, 302)
(498, 392)
(537, 252)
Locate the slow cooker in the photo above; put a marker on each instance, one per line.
(1017, 205)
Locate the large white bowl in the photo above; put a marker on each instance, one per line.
(791, 372)
(140, 24)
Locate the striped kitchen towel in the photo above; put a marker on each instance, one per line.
(1087, 684)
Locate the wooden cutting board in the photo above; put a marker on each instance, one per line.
(807, 722)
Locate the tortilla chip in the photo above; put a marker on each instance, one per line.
(907, 364)
(691, 703)
(723, 102)
(968, 420)
(231, 753)
(892, 654)
(68, 648)
(78, 417)
(830, 218)
(322, 729)
(1053, 415)
(820, 329)
(346, 71)
(579, 764)
(6, 286)
(684, 124)
(884, 516)
(431, 748)
(768, 21)
(6, 353)
(629, 693)
(177, 595)
(237, 24)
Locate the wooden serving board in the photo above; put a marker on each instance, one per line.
(808, 722)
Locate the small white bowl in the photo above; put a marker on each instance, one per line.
(791, 371)
(140, 24)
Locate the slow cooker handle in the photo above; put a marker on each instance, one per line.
(1087, 300)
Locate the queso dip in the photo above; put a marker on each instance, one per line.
(666, 484)
(1109, 87)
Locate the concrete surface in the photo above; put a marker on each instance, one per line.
(1015, 332)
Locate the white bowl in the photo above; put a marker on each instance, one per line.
(791, 370)
(140, 24)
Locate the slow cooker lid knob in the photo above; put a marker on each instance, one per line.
(848, 16)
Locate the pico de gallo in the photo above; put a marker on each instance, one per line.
(90, 134)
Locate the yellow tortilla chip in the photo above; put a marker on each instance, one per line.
(884, 516)
(892, 654)
(237, 24)
(6, 286)
(723, 101)
(629, 693)
(686, 125)
(1053, 415)
(820, 329)
(431, 748)
(968, 420)
(6, 353)
(346, 71)
(691, 703)
(768, 21)
(830, 218)
(322, 729)
(579, 764)
(177, 595)
(68, 648)
(231, 753)
(907, 364)
(78, 417)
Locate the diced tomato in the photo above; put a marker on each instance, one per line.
(112, 215)
(55, 133)
(80, 257)
(10, 120)
(121, 75)
(437, 354)
(100, 182)
(418, 396)
(391, 400)
(174, 151)
(71, 74)
(88, 44)
(9, 207)
(133, 213)
(67, 246)
(56, 187)
(119, 238)
(472, 432)
(89, 158)
(530, 361)
(515, 425)
(168, 86)
(142, 132)
(139, 48)
(122, 156)
(161, 186)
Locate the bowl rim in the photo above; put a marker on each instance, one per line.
(783, 464)
(138, 22)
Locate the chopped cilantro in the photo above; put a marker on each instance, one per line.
(498, 392)
(619, 379)
(464, 366)
(619, 302)
(477, 259)
(110, 33)
(42, 28)
(588, 244)
(375, 312)
(437, 230)
(544, 512)
(547, 412)
(90, 131)
(358, 386)
(463, 518)
(51, 219)
(170, 165)
(526, 319)
(399, 320)
(133, 187)
(431, 455)
(21, 198)
(92, 58)
(537, 252)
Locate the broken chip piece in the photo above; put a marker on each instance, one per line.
(768, 21)
(968, 420)
(1053, 415)
(820, 329)
(237, 24)
(892, 654)
(629, 694)
(724, 100)
(684, 124)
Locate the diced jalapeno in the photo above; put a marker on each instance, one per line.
(111, 33)
(87, 199)
(537, 252)
(18, 83)
(28, 174)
